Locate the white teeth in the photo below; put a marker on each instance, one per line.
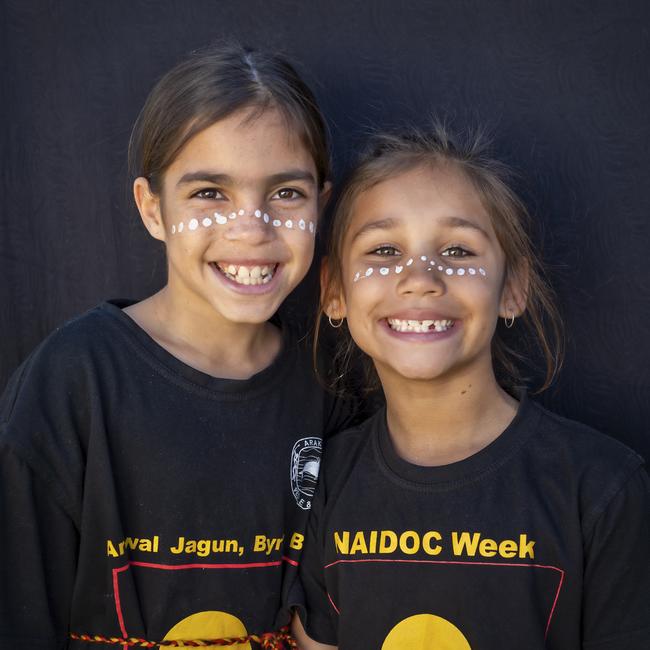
(421, 326)
(248, 275)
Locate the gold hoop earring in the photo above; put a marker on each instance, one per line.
(329, 318)
(509, 321)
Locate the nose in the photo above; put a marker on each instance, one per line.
(421, 280)
(250, 229)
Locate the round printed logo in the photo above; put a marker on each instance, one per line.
(305, 464)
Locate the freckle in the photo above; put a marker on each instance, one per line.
(193, 224)
(383, 270)
(266, 218)
(258, 213)
(288, 223)
(449, 271)
(207, 222)
(241, 213)
(181, 225)
(462, 392)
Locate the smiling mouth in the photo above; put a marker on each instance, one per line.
(421, 326)
(247, 275)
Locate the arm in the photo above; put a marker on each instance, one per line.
(616, 599)
(38, 547)
(304, 642)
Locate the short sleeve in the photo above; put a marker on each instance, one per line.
(616, 600)
(309, 595)
(38, 546)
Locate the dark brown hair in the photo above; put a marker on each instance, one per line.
(212, 84)
(393, 154)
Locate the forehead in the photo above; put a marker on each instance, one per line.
(423, 197)
(245, 145)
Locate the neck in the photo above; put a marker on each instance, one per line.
(446, 420)
(200, 337)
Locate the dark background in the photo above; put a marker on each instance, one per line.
(565, 86)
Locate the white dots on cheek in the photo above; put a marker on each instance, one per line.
(220, 219)
(207, 222)
(383, 270)
(193, 224)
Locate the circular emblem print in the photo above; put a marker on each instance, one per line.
(305, 464)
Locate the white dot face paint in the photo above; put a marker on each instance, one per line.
(447, 271)
(221, 220)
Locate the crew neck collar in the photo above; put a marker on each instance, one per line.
(456, 474)
(157, 355)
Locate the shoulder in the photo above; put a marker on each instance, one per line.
(583, 459)
(41, 391)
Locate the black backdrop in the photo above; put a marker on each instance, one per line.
(565, 85)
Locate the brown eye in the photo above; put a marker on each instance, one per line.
(209, 193)
(385, 251)
(288, 194)
(455, 251)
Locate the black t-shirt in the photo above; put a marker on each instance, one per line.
(540, 540)
(143, 498)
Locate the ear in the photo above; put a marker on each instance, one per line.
(324, 196)
(331, 295)
(515, 291)
(148, 203)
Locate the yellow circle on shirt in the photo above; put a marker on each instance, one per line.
(425, 632)
(208, 625)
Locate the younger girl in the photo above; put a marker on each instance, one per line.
(463, 515)
(158, 459)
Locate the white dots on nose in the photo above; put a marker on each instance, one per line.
(222, 220)
(433, 266)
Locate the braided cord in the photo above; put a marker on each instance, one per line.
(280, 640)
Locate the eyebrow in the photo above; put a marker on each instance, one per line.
(390, 222)
(290, 175)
